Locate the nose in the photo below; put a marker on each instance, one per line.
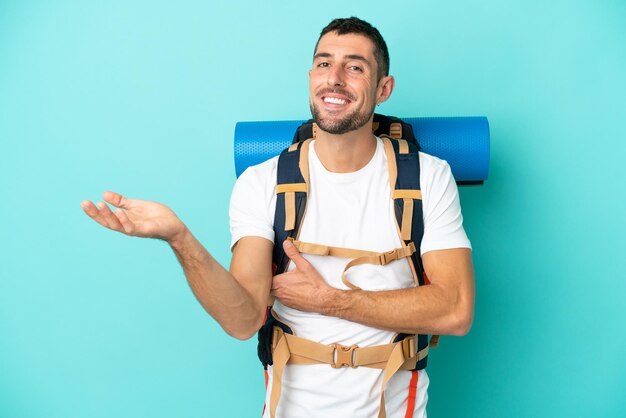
(335, 77)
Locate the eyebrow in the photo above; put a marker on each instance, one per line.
(350, 57)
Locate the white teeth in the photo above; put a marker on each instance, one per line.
(335, 100)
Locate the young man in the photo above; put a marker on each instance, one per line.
(348, 206)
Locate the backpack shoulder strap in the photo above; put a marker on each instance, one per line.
(292, 186)
(404, 181)
(394, 127)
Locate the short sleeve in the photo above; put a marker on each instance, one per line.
(253, 202)
(443, 221)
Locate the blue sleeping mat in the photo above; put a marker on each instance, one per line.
(462, 141)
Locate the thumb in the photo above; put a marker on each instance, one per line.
(295, 256)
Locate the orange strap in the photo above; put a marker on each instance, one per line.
(410, 403)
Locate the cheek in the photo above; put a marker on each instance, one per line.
(372, 94)
(371, 89)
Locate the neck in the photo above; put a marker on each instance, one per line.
(347, 152)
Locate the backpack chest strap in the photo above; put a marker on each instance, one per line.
(358, 256)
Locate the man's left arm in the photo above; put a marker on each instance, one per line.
(445, 306)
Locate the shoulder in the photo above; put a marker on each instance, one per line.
(443, 220)
(430, 163)
(434, 171)
(256, 179)
(260, 173)
(255, 186)
(252, 202)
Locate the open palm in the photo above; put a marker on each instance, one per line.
(139, 218)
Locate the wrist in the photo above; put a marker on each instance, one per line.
(180, 239)
(334, 301)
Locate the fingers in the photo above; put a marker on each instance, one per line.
(112, 221)
(116, 200)
(102, 214)
(295, 256)
(126, 223)
(275, 283)
(92, 211)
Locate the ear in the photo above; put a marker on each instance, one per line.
(384, 89)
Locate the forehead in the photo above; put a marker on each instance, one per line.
(348, 44)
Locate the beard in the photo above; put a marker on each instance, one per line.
(350, 122)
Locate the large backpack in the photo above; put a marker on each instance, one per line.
(292, 187)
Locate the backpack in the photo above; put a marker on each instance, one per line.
(291, 204)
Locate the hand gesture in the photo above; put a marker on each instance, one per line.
(138, 218)
(302, 288)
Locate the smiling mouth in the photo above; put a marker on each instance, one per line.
(335, 96)
(334, 100)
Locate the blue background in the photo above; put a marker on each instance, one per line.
(142, 97)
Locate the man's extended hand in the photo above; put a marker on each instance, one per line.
(303, 288)
(138, 218)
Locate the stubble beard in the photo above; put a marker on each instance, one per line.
(351, 122)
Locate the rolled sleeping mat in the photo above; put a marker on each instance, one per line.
(462, 141)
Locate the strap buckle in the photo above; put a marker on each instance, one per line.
(388, 256)
(397, 253)
(343, 356)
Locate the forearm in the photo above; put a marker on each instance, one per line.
(423, 310)
(445, 306)
(217, 290)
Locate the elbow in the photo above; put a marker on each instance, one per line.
(461, 322)
(242, 335)
(244, 332)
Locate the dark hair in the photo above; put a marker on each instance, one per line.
(344, 26)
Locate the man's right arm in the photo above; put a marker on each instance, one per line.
(237, 300)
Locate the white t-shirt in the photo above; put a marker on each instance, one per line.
(352, 210)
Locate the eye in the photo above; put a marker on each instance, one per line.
(355, 68)
(323, 64)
